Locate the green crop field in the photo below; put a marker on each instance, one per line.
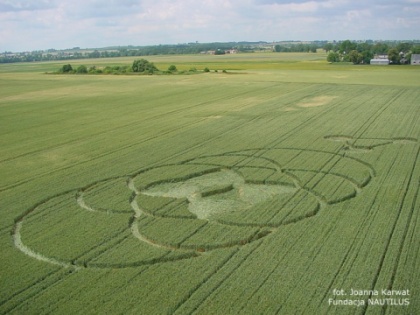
(285, 185)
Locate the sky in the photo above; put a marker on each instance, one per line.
(43, 24)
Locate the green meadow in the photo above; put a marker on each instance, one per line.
(285, 185)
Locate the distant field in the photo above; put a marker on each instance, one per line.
(278, 187)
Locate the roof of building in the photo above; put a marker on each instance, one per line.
(379, 60)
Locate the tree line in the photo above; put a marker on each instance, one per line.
(129, 51)
(362, 53)
(348, 51)
(299, 47)
(139, 66)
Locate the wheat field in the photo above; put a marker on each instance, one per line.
(286, 185)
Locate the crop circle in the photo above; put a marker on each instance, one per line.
(182, 210)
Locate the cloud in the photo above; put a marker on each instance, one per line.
(41, 24)
(30, 5)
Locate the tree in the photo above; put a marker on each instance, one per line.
(143, 66)
(67, 68)
(361, 47)
(380, 48)
(328, 47)
(277, 48)
(81, 69)
(172, 68)
(404, 47)
(355, 57)
(367, 56)
(347, 46)
(415, 50)
(95, 54)
(333, 57)
(394, 56)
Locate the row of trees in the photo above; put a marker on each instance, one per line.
(129, 51)
(140, 66)
(297, 47)
(362, 53)
(367, 49)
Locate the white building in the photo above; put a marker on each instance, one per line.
(379, 61)
(415, 59)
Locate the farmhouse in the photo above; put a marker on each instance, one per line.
(379, 62)
(415, 59)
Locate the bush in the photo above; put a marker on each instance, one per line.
(333, 57)
(206, 69)
(172, 68)
(94, 70)
(144, 66)
(67, 68)
(116, 69)
(108, 70)
(82, 69)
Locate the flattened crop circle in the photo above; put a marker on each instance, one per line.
(178, 211)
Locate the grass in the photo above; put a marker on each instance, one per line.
(79, 152)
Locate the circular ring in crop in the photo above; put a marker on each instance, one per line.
(179, 211)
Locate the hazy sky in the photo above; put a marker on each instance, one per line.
(43, 24)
